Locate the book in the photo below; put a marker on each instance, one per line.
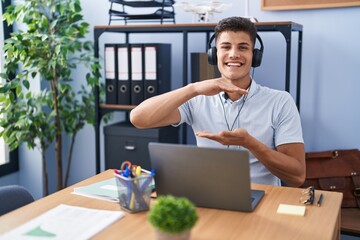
(106, 190)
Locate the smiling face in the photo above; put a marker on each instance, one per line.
(234, 54)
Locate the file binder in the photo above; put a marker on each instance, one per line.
(110, 73)
(201, 69)
(157, 69)
(123, 67)
(137, 86)
(150, 82)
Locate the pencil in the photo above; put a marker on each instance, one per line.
(320, 200)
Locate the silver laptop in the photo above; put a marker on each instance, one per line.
(209, 177)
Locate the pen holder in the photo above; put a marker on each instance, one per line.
(136, 197)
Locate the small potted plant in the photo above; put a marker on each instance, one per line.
(172, 217)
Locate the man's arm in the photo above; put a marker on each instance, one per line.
(287, 162)
(162, 110)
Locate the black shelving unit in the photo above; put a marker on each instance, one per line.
(285, 28)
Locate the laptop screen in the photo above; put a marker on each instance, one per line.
(209, 177)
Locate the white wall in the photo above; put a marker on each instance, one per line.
(330, 73)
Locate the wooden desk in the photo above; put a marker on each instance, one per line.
(264, 223)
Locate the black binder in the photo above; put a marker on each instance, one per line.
(110, 73)
(201, 69)
(157, 69)
(137, 74)
(123, 74)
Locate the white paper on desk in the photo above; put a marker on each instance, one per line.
(65, 222)
(105, 190)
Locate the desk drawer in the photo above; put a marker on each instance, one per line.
(124, 142)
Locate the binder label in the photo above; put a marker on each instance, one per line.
(123, 66)
(109, 62)
(150, 63)
(136, 63)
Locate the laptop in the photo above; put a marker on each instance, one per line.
(209, 177)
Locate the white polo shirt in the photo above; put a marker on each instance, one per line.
(267, 114)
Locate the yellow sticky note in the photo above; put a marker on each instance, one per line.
(291, 210)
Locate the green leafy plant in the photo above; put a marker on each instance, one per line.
(51, 46)
(172, 214)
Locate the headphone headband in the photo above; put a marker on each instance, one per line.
(211, 40)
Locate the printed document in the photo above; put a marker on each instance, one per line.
(65, 222)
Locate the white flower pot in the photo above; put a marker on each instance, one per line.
(173, 236)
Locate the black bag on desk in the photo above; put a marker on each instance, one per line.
(336, 170)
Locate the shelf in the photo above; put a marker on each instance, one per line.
(104, 109)
(285, 28)
(193, 27)
(116, 106)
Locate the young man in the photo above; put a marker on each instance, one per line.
(233, 111)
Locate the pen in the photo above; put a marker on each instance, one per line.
(137, 174)
(320, 200)
(147, 181)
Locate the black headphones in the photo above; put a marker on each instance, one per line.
(257, 53)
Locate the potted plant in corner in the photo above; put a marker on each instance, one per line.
(172, 217)
(48, 47)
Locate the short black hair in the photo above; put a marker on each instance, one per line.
(236, 24)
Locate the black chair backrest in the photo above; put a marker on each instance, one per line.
(13, 197)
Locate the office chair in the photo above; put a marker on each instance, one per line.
(13, 197)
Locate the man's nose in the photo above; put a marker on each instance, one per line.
(234, 53)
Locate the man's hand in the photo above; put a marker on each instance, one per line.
(236, 137)
(214, 86)
(287, 161)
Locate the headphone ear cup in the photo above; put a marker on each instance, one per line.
(212, 57)
(257, 57)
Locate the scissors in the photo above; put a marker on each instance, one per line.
(124, 164)
(125, 169)
(130, 169)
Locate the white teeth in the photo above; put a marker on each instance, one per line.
(234, 64)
